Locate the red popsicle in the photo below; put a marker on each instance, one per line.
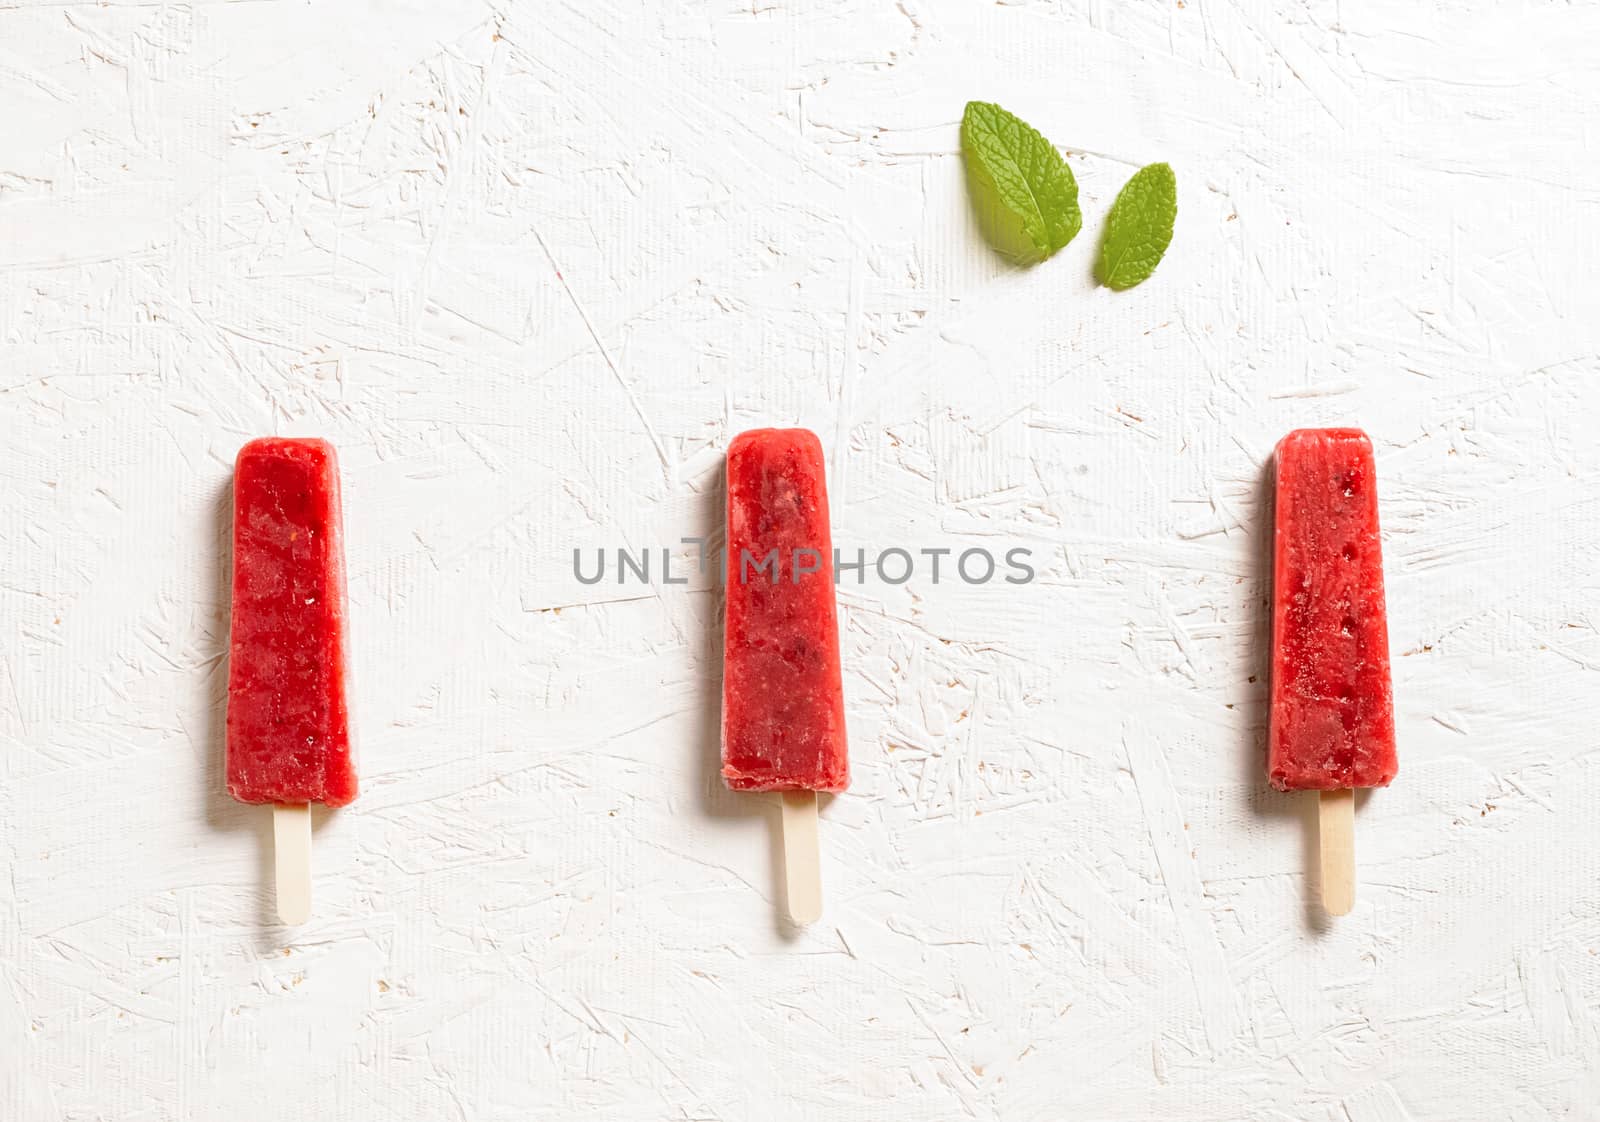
(782, 696)
(1332, 720)
(288, 724)
(288, 721)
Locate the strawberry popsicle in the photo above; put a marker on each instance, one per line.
(782, 697)
(288, 721)
(288, 726)
(782, 694)
(1332, 723)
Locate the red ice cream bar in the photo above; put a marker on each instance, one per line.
(1332, 723)
(782, 694)
(288, 722)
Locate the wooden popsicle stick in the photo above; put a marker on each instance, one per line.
(1336, 814)
(802, 857)
(291, 845)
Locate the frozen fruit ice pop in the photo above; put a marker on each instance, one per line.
(782, 694)
(288, 723)
(1332, 722)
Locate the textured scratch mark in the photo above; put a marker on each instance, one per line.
(457, 170)
(1559, 1012)
(1377, 1103)
(1163, 818)
(849, 371)
(605, 353)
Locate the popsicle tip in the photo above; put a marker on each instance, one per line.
(806, 912)
(292, 913)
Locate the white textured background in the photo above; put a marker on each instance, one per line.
(530, 266)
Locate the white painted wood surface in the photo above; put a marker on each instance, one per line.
(531, 266)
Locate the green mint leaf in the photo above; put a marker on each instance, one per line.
(1140, 227)
(1023, 191)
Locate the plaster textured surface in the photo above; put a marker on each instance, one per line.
(530, 266)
